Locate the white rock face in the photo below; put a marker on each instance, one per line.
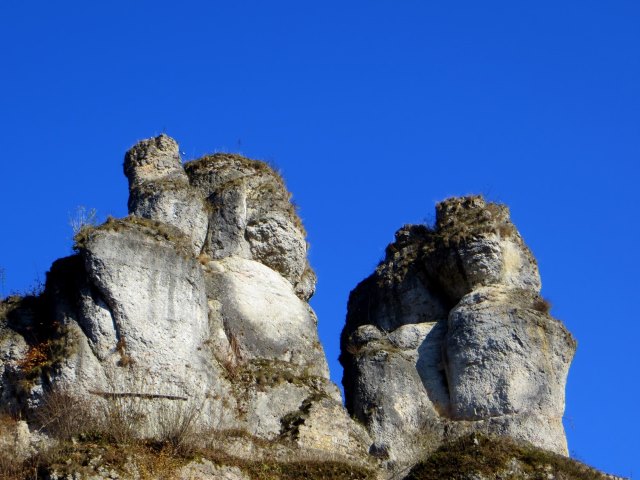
(13, 349)
(504, 357)
(226, 204)
(196, 302)
(252, 216)
(154, 307)
(450, 335)
(264, 315)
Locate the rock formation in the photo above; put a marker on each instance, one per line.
(450, 335)
(198, 297)
(188, 323)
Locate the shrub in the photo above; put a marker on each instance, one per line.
(542, 305)
(66, 416)
(82, 218)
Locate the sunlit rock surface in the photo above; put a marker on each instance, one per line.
(450, 335)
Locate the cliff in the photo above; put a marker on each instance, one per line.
(178, 342)
(450, 336)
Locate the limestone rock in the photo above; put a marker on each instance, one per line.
(159, 189)
(263, 314)
(13, 349)
(252, 216)
(153, 159)
(191, 309)
(450, 335)
(228, 205)
(399, 390)
(506, 358)
(149, 303)
(190, 319)
(476, 244)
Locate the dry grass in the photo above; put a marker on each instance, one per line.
(66, 416)
(108, 427)
(492, 457)
(159, 231)
(88, 445)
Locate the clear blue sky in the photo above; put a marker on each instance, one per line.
(374, 110)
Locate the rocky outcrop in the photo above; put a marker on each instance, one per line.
(482, 457)
(188, 323)
(159, 189)
(195, 303)
(450, 335)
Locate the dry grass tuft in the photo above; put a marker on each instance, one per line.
(493, 457)
(542, 305)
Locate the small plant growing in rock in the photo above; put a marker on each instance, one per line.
(125, 358)
(542, 305)
(82, 218)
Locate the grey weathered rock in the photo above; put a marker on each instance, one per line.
(227, 204)
(149, 304)
(159, 189)
(195, 305)
(399, 390)
(251, 215)
(505, 358)
(13, 349)
(450, 335)
(476, 244)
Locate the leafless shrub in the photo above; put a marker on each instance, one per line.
(11, 465)
(17, 460)
(82, 218)
(65, 416)
(204, 258)
(178, 426)
(125, 359)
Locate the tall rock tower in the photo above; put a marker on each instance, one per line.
(450, 335)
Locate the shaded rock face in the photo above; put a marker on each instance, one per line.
(197, 298)
(450, 335)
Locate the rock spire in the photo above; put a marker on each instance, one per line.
(450, 335)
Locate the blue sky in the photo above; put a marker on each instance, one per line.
(373, 110)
